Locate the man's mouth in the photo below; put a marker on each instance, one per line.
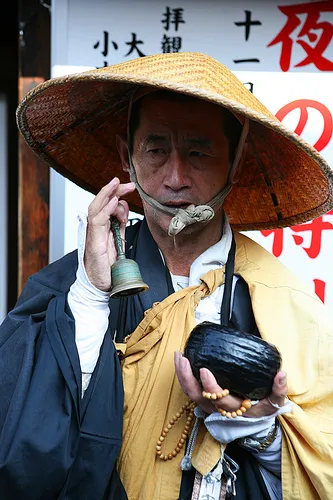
(178, 205)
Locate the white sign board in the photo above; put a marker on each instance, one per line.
(282, 50)
(259, 35)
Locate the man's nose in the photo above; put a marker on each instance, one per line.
(178, 173)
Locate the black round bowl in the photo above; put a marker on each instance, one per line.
(241, 362)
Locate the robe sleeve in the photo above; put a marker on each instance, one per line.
(53, 444)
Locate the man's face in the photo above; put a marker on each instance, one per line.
(180, 154)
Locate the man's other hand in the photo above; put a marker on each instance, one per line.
(230, 403)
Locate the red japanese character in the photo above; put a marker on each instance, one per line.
(315, 52)
(303, 105)
(316, 226)
(277, 240)
(320, 287)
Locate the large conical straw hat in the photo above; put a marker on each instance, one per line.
(72, 122)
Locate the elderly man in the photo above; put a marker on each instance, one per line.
(202, 153)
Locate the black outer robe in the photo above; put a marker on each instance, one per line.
(53, 444)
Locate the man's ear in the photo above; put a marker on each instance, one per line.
(123, 151)
(240, 164)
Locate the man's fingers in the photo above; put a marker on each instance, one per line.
(122, 212)
(209, 384)
(115, 208)
(107, 193)
(177, 355)
(124, 189)
(190, 385)
(279, 389)
(103, 197)
(104, 215)
(208, 380)
(187, 380)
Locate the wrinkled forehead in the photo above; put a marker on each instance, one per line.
(195, 113)
(151, 94)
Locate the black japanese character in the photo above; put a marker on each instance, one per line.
(171, 44)
(249, 86)
(248, 23)
(105, 50)
(172, 16)
(134, 46)
(253, 59)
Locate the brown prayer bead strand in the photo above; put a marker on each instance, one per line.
(169, 456)
(246, 404)
(213, 396)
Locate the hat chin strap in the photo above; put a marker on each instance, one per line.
(193, 213)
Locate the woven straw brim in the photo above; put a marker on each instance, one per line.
(71, 122)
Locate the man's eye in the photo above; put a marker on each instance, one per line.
(157, 151)
(197, 153)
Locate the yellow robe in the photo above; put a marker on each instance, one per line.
(288, 315)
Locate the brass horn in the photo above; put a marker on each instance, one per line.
(125, 273)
